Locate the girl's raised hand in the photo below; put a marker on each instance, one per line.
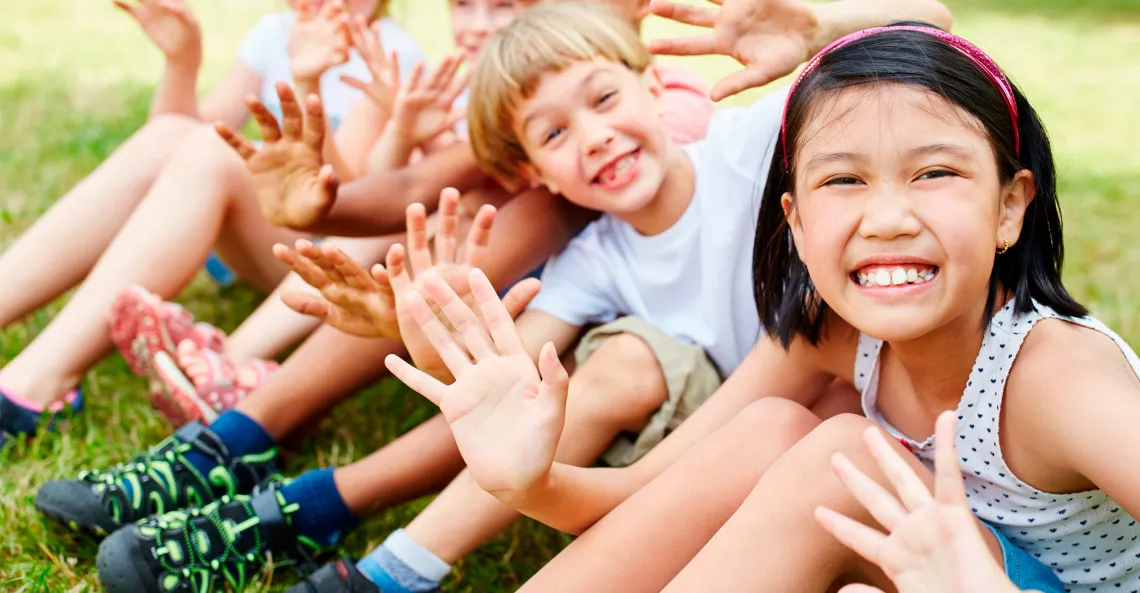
(933, 544)
(769, 37)
(171, 25)
(506, 415)
(319, 39)
(295, 189)
(385, 69)
(424, 104)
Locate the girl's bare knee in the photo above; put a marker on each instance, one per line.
(776, 420)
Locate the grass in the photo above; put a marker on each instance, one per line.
(76, 81)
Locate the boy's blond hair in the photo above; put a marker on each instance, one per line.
(546, 38)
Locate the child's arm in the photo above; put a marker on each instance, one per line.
(171, 25)
(772, 37)
(297, 190)
(933, 544)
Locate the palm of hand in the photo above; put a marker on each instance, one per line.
(503, 421)
(171, 34)
(776, 33)
(361, 312)
(293, 195)
(314, 47)
(945, 559)
(419, 348)
(422, 118)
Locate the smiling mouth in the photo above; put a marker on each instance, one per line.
(879, 276)
(615, 173)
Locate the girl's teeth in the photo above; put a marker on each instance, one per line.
(883, 278)
(911, 275)
(898, 276)
(894, 277)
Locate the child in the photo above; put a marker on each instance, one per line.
(909, 241)
(164, 199)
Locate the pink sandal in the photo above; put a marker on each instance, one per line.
(203, 383)
(142, 325)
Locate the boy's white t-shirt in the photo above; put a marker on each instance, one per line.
(693, 281)
(266, 50)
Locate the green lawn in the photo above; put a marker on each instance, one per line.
(65, 105)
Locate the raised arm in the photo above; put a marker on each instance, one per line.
(772, 37)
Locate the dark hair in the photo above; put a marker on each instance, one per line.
(785, 296)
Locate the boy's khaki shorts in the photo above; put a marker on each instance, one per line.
(689, 375)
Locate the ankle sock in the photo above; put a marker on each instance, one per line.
(240, 434)
(323, 516)
(402, 565)
(24, 415)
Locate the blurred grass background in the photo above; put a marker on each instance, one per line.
(76, 79)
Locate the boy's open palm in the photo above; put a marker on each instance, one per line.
(769, 37)
(933, 544)
(170, 24)
(506, 415)
(423, 106)
(294, 188)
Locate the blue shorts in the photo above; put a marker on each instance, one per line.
(1026, 572)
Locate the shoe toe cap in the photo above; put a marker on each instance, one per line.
(73, 503)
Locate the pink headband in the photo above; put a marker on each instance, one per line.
(977, 56)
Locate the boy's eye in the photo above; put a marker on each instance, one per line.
(936, 174)
(551, 135)
(606, 97)
(841, 180)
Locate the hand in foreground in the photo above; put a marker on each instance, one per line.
(295, 189)
(506, 415)
(769, 37)
(933, 544)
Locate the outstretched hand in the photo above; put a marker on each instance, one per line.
(506, 415)
(769, 37)
(319, 39)
(423, 106)
(170, 24)
(384, 67)
(932, 544)
(295, 189)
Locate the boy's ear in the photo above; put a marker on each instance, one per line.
(1016, 197)
(533, 176)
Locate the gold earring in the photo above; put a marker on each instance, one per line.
(1004, 247)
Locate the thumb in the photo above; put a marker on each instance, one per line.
(554, 376)
(127, 8)
(329, 182)
(754, 76)
(307, 304)
(520, 295)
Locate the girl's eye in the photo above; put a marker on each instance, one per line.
(841, 180)
(936, 174)
(551, 135)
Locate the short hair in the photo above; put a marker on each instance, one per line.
(544, 39)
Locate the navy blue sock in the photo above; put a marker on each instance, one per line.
(322, 515)
(240, 434)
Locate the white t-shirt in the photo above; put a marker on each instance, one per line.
(693, 281)
(266, 50)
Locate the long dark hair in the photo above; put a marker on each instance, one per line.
(785, 296)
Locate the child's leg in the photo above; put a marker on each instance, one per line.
(274, 327)
(69, 238)
(773, 541)
(204, 189)
(644, 542)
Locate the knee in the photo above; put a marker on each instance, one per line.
(202, 147)
(778, 421)
(621, 381)
(170, 127)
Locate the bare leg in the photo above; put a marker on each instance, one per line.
(69, 237)
(643, 543)
(161, 247)
(773, 542)
(615, 390)
(303, 388)
(274, 327)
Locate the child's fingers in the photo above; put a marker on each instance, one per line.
(384, 285)
(862, 540)
(413, 82)
(442, 74)
(464, 321)
(329, 182)
(446, 236)
(697, 16)
(353, 274)
(911, 490)
(397, 272)
(314, 130)
(456, 88)
(948, 485)
(418, 253)
(520, 295)
(239, 143)
(880, 503)
(697, 45)
(266, 121)
(356, 83)
(479, 236)
(499, 322)
(321, 259)
(292, 122)
(449, 350)
(419, 381)
(302, 266)
(753, 76)
(553, 374)
(307, 304)
(128, 8)
(860, 588)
